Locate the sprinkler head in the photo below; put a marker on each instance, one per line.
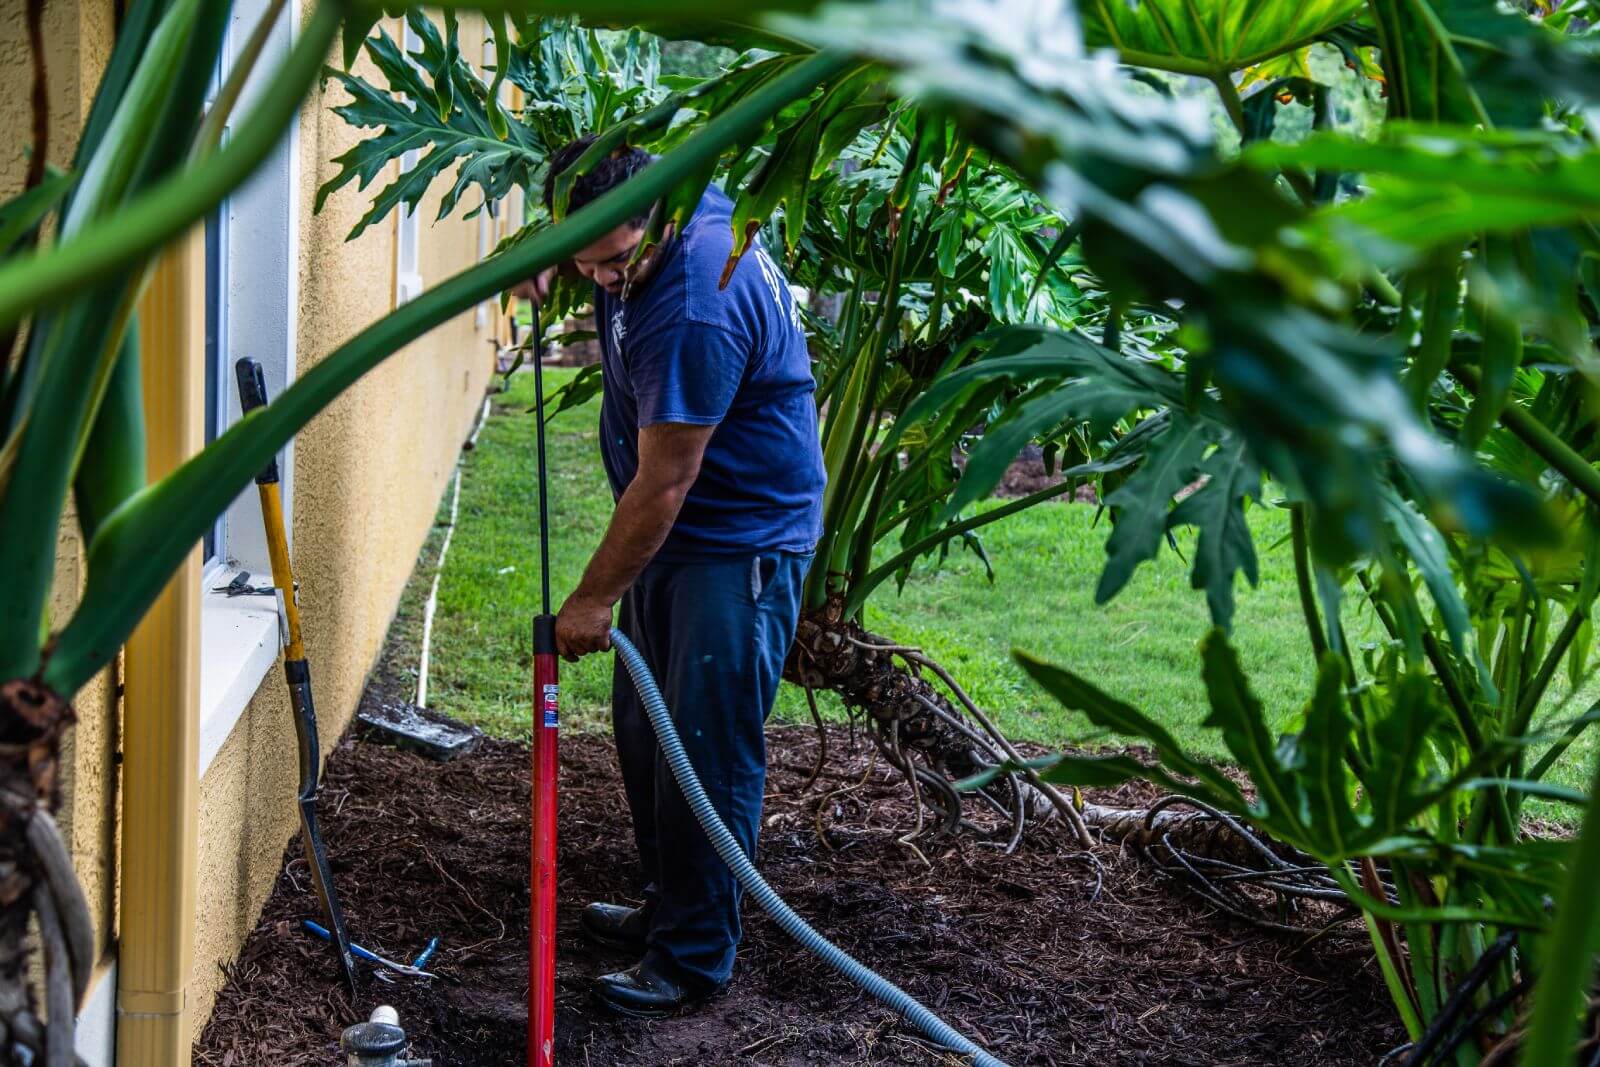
(372, 1043)
(378, 1042)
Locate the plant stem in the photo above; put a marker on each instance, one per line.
(1460, 706)
(1541, 681)
(1228, 93)
(1539, 437)
(1302, 581)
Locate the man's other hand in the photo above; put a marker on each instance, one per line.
(536, 288)
(582, 626)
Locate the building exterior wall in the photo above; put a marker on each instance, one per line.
(369, 472)
(367, 476)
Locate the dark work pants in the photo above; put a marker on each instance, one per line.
(715, 635)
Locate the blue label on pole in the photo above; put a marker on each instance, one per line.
(550, 701)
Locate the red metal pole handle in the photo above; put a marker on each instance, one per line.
(542, 918)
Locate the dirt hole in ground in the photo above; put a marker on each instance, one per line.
(1015, 950)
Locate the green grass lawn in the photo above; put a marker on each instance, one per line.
(1141, 647)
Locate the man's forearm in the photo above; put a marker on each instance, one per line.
(638, 528)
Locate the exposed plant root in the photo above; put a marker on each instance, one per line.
(1050, 792)
(1238, 871)
(822, 740)
(934, 736)
(36, 878)
(916, 728)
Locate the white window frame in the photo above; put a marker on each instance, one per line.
(408, 227)
(216, 319)
(259, 319)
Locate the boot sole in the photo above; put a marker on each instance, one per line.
(653, 1013)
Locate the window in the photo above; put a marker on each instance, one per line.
(217, 376)
(216, 246)
(251, 298)
(407, 268)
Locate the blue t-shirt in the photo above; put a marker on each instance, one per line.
(680, 350)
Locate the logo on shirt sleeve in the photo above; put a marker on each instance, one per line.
(779, 289)
(619, 330)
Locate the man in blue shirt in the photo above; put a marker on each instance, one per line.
(708, 434)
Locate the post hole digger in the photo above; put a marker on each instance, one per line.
(297, 673)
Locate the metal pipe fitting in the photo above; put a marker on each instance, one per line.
(378, 1042)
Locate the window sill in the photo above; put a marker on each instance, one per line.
(238, 646)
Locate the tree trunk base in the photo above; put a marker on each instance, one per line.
(36, 877)
(915, 727)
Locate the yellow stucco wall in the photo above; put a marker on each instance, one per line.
(368, 474)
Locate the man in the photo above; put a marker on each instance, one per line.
(708, 433)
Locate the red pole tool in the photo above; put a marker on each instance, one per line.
(546, 724)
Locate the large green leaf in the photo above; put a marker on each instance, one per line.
(1210, 37)
(1400, 743)
(1237, 713)
(1426, 547)
(44, 279)
(1165, 221)
(1320, 764)
(1109, 713)
(71, 353)
(783, 178)
(408, 112)
(1059, 376)
(1475, 62)
(1430, 186)
(22, 214)
(1141, 506)
(1224, 546)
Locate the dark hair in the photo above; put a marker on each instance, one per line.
(623, 163)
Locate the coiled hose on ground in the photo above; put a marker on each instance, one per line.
(745, 873)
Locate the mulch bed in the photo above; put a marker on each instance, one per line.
(1017, 950)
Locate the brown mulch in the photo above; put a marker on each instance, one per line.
(1017, 950)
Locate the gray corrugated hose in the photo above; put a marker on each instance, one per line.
(747, 876)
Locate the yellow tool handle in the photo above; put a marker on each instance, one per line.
(252, 395)
(282, 572)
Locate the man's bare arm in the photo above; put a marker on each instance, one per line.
(670, 455)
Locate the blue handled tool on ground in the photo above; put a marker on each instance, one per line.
(541, 990)
(297, 673)
(411, 970)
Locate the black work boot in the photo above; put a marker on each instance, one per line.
(643, 992)
(615, 925)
